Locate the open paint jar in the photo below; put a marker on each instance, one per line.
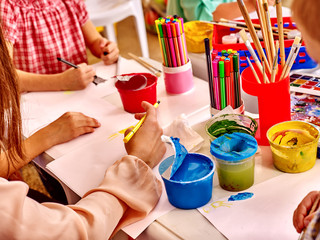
(132, 96)
(234, 154)
(294, 146)
(229, 123)
(191, 185)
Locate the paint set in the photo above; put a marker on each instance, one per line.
(305, 83)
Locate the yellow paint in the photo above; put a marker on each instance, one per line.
(215, 205)
(68, 92)
(121, 132)
(299, 81)
(294, 146)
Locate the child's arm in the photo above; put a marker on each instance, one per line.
(99, 46)
(67, 127)
(71, 79)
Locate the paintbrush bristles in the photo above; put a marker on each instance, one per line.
(297, 40)
(243, 35)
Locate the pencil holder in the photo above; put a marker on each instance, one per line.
(273, 101)
(178, 79)
(239, 110)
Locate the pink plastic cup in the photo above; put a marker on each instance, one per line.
(131, 99)
(178, 79)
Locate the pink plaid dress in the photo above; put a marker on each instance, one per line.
(42, 30)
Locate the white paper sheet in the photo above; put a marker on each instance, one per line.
(268, 214)
(37, 113)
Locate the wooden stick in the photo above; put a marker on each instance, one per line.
(293, 47)
(154, 70)
(268, 22)
(263, 24)
(252, 31)
(253, 70)
(256, 26)
(275, 63)
(245, 39)
(232, 26)
(280, 27)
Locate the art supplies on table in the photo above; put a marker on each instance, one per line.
(305, 83)
(232, 28)
(224, 79)
(172, 41)
(175, 62)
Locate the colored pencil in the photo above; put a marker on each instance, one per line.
(137, 126)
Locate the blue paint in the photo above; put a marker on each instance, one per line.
(240, 196)
(191, 186)
(192, 168)
(180, 154)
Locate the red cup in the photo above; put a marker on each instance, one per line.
(131, 99)
(273, 101)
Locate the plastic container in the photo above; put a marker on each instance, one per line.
(229, 123)
(131, 99)
(191, 186)
(234, 154)
(239, 110)
(294, 146)
(302, 61)
(178, 79)
(195, 32)
(273, 101)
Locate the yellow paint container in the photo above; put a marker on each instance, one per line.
(294, 146)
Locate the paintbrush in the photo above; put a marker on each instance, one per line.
(281, 33)
(153, 69)
(292, 50)
(246, 41)
(96, 80)
(252, 68)
(137, 126)
(252, 31)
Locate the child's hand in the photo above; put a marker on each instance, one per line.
(146, 143)
(109, 51)
(67, 127)
(301, 216)
(77, 78)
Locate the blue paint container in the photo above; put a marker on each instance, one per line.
(191, 186)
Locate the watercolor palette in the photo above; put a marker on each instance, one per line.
(305, 83)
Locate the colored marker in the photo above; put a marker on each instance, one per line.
(175, 42)
(171, 45)
(222, 85)
(161, 42)
(180, 44)
(216, 84)
(166, 42)
(185, 52)
(237, 93)
(227, 69)
(232, 80)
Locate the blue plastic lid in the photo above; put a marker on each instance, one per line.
(234, 147)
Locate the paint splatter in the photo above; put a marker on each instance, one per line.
(240, 196)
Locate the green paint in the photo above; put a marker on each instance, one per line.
(219, 128)
(236, 177)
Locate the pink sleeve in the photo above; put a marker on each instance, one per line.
(9, 17)
(128, 193)
(81, 11)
